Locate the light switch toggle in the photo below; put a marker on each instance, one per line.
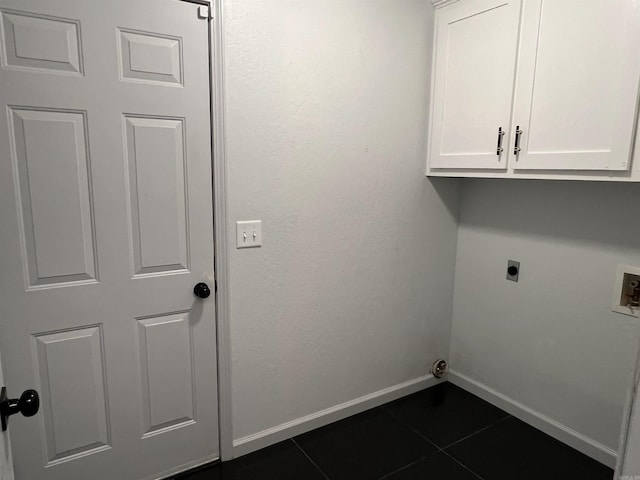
(249, 234)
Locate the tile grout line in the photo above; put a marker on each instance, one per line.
(438, 448)
(442, 449)
(476, 432)
(466, 438)
(387, 475)
(461, 464)
(310, 459)
(411, 428)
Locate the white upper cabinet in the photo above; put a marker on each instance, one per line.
(475, 60)
(577, 85)
(560, 77)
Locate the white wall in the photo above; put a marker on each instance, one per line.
(351, 292)
(550, 341)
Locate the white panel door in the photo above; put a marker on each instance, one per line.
(106, 214)
(577, 84)
(475, 58)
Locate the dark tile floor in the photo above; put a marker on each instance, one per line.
(443, 433)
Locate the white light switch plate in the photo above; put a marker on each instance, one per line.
(249, 234)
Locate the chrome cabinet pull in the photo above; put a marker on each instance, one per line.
(499, 150)
(516, 147)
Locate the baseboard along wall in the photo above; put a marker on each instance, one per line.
(270, 436)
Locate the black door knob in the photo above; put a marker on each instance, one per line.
(28, 405)
(201, 290)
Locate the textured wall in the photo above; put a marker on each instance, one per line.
(351, 292)
(550, 341)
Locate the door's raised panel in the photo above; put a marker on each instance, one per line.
(41, 42)
(150, 57)
(166, 366)
(156, 159)
(73, 391)
(53, 178)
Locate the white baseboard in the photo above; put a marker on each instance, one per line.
(276, 434)
(551, 427)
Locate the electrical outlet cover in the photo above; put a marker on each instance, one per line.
(513, 270)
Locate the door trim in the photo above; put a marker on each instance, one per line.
(221, 265)
(219, 159)
(627, 414)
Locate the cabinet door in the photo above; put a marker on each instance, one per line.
(475, 56)
(577, 84)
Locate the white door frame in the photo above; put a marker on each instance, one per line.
(219, 170)
(219, 159)
(627, 416)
